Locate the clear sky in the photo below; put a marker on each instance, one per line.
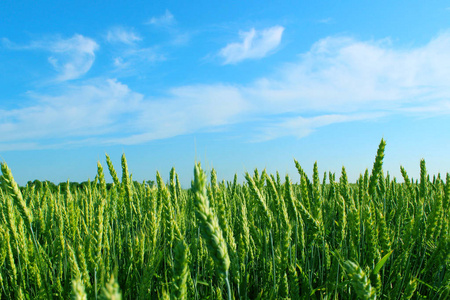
(236, 85)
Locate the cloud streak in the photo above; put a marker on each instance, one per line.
(108, 112)
(300, 127)
(71, 58)
(79, 111)
(129, 53)
(341, 74)
(166, 20)
(340, 79)
(255, 44)
(121, 35)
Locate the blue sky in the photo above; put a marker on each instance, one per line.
(236, 85)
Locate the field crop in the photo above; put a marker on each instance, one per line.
(267, 238)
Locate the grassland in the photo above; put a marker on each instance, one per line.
(268, 238)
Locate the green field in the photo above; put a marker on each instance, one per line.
(268, 238)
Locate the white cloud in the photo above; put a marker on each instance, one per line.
(149, 54)
(186, 110)
(120, 63)
(436, 108)
(108, 112)
(303, 126)
(132, 59)
(121, 35)
(345, 75)
(131, 54)
(165, 20)
(255, 44)
(71, 58)
(78, 111)
(338, 80)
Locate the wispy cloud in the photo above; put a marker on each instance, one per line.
(78, 111)
(70, 57)
(326, 21)
(120, 63)
(180, 38)
(7, 43)
(168, 24)
(108, 112)
(186, 110)
(255, 44)
(341, 74)
(167, 19)
(340, 79)
(128, 52)
(134, 57)
(122, 35)
(303, 126)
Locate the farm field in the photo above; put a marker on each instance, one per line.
(270, 237)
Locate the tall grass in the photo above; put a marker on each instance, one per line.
(310, 238)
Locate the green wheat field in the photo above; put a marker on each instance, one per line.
(268, 238)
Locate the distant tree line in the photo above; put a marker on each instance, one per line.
(62, 186)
